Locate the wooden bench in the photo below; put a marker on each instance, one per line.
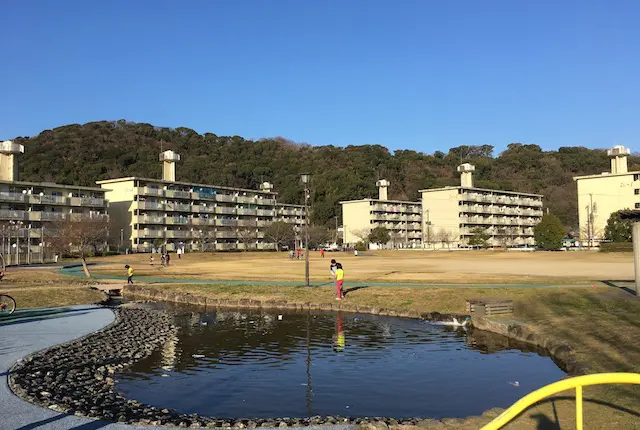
(489, 307)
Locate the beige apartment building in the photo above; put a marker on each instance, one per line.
(148, 213)
(403, 219)
(451, 214)
(29, 209)
(601, 195)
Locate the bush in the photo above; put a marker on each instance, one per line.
(616, 247)
(361, 246)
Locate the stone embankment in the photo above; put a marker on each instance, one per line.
(135, 291)
(560, 352)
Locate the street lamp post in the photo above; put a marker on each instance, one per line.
(305, 178)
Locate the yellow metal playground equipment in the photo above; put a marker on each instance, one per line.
(557, 387)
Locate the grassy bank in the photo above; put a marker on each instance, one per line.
(47, 288)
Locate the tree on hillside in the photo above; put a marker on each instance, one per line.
(549, 232)
(77, 234)
(279, 233)
(379, 235)
(480, 238)
(617, 229)
(111, 149)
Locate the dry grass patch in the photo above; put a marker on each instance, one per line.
(390, 266)
(47, 288)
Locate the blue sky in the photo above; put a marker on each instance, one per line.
(422, 75)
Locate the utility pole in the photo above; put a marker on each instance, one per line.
(29, 244)
(590, 222)
(306, 179)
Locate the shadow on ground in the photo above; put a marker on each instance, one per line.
(618, 284)
(349, 290)
(88, 426)
(543, 422)
(31, 315)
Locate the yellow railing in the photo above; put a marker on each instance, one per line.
(567, 384)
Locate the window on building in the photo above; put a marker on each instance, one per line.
(637, 205)
(636, 177)
(636, 191)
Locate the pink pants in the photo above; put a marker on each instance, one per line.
(339, 288)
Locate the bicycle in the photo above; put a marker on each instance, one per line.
(7, 305)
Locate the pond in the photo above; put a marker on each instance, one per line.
(266, 364)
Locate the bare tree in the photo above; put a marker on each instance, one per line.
(247, 236)
(362, 234)
(395, 237)
(445, 237)
(590, 233)
(279, 233)
(506, 236)
(318, 235)
(429, 236)
(204, 236)
(78, 233)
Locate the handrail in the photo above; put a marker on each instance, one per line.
(578, 382)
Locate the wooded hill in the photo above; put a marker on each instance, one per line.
(82, 154)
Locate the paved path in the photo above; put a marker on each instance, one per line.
(76, 270)
(31, 330)
(28, 331)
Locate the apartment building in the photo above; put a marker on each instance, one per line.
(452, 215)
(148, 213)
(403, 219)
(601, 195)
(29, 209)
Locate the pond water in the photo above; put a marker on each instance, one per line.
(266, 364)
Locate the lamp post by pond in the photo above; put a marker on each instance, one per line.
(305, 178)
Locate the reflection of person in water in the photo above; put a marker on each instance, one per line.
(339, 339)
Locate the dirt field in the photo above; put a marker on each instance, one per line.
(398, 266)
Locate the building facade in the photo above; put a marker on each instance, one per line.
(403, 219)
(601, 195)
(149, 213)
(30, 210)
(453, 215)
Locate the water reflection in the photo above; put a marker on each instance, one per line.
(339, 343)
(250, 363)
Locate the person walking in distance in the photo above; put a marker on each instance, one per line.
(322, 253)
(162, 259)
(339, 281)
(129, 274)
(167, 259)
